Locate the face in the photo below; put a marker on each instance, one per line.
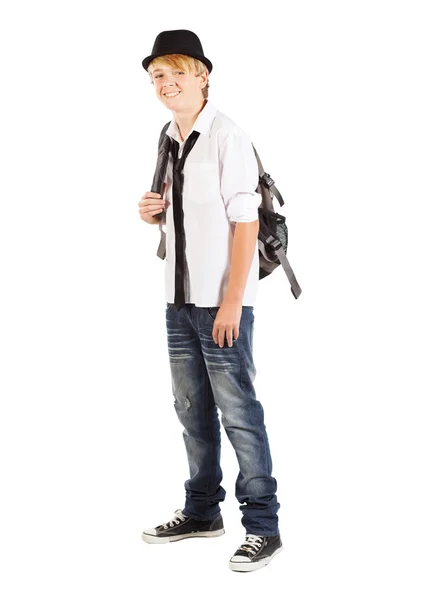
(185, 88)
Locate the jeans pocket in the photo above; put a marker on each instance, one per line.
(213, 311)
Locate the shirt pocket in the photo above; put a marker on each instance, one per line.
(201, 182)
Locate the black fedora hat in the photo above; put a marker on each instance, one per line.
(177, 41)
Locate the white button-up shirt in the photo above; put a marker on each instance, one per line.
(220, 178)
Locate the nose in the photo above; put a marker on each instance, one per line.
(168, 79)
(170, 87)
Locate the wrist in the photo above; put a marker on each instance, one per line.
(233, 297)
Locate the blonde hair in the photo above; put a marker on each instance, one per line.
(182, 62)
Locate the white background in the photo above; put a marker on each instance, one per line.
(342, 101)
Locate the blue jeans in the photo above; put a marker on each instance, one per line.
(206, 377)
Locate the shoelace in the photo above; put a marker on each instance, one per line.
(252, 543)
(179, 517)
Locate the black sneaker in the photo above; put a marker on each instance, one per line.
(181, 527)
(256, 552)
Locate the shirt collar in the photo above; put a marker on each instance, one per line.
(202, 124)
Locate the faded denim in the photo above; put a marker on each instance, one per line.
(205, 378)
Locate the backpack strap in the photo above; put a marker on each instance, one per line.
(266, 180)
(158, 183)
(279, 250)
(161, 252)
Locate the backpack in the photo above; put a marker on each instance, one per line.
(273, 231)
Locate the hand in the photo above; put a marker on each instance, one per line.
(227, 322)
(151, 205)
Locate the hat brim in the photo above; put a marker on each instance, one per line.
(203, 59)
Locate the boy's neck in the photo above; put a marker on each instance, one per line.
(186, 120)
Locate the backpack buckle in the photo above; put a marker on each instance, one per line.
(267, 180)
(273, 242)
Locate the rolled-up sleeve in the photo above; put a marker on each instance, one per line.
(239, 175)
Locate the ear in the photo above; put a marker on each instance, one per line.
(205, 76)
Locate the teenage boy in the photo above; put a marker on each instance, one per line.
(211, 279)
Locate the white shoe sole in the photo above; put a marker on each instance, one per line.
(154, 539)
(245, 566)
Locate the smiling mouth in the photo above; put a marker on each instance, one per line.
(172, 94)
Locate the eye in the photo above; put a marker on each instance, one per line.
(160, 75)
